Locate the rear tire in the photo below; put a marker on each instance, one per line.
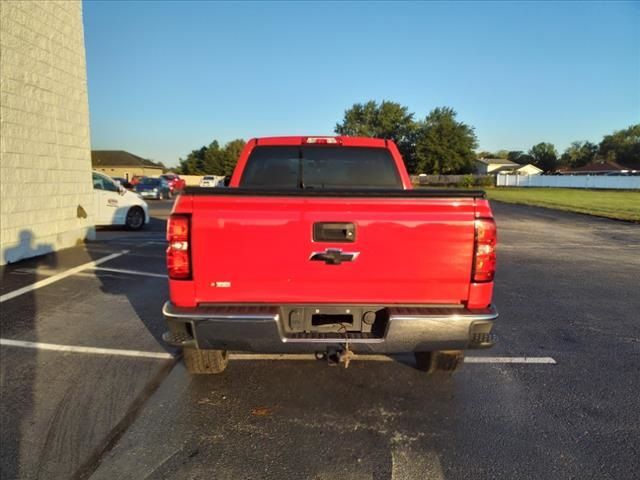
(135, 218)
(443, 361)
(199, 361)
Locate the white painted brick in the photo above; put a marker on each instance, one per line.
(44, 147)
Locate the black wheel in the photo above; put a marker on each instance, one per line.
(169, 195)
(135, 218)
(443, 361)
(200, 361)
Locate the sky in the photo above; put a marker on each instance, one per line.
(168, 77)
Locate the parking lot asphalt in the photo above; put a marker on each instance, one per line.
(61, 410)
(566, 289)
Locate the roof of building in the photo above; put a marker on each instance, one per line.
(529, 165)
(505, 168)
(497, 161)
(599, 166)
(514, 168)
(119, 158)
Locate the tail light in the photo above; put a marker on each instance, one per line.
(179, 249)
(484, 261)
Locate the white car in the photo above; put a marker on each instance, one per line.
(209, 181)
(113, 205)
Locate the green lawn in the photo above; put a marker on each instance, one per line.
(623, 205)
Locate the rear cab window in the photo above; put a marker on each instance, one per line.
(320, 167)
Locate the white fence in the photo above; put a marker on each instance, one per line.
(569, 181)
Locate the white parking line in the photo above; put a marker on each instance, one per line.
(129, 272)
(59, 276)
(246, 356)
(92, 350)
(547, 360)
(385, 358)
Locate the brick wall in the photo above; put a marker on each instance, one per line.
(46, 198)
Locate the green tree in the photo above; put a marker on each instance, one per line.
(194, 164)
(544, 156)
(444, 145)
(232, 151)
(215, 158)
(524, 159)
(518, 156)
(499, 154)
(212, 160)
(578, 154)
(385, 120)
(623, 146)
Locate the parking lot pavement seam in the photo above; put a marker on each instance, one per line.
(91, 464)
(59, 276)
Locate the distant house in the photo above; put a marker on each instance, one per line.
(528, 169)
(486, 166)
(598, 167)
(492, 166)
(118, 163)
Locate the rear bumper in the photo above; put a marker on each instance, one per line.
(262, 329)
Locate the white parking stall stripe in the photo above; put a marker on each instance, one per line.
(92, 350)
(385, 358)
(129, 272)
(247, 356)
(543, 360)
(59, 276)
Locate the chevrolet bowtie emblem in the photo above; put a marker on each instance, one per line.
(333, 256)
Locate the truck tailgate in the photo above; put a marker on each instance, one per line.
(259, 249)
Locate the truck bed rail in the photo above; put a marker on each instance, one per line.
(362, 193)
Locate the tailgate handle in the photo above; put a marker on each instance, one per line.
(334, 232)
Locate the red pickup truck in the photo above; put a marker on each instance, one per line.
(320, 244)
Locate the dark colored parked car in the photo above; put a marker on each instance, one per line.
(156, 188)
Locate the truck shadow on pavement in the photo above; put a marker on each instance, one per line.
(145, 295)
